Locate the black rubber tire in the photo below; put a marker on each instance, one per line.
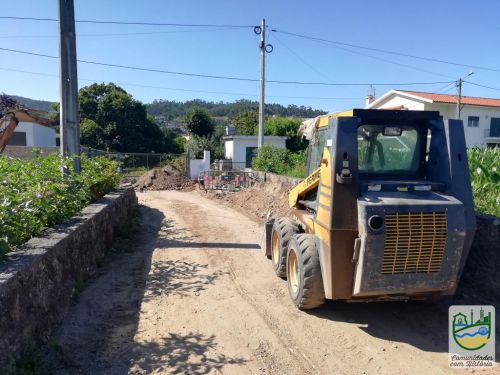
(309, 293)
(285, 228)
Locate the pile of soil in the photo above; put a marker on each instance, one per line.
(262, 200)
(166, 178)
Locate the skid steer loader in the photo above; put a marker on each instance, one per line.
(386, 211)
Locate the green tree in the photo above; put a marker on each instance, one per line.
(91, 134)
(196, 145)
(199, 122)
(286, 127)
(246, 123)
(119, 122)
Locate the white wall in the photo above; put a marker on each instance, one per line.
(236, 148)
(474, 137)
(398, 101)
(37, 135)
(196, 166)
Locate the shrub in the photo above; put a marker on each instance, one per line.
(280, 161)
(484, 166)
(34, 195)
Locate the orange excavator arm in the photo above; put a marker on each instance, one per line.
(10, 120)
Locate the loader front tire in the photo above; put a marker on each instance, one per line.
(305, 283)
(283, 231)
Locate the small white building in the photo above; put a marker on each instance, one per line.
(481, 116)
(33, 135)
(240, 148)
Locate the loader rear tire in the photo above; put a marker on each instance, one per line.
(283, 231)
(305, 283)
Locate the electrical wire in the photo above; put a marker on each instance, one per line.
(223, 77)
(117, 34)
(387, 61)
(177, 89)
(481, 85)
(127, 22)
(387, 51)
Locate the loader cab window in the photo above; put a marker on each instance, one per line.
(315, 152)
(389, 150)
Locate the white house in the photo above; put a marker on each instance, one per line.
(481, 116)
(240, 148)
(33, 135)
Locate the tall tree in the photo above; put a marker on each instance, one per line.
(113, 120)
(246, 123)
(199, 122)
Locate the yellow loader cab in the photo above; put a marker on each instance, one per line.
(385, 213)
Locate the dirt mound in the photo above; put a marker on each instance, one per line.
(262, 200)
(166, 178)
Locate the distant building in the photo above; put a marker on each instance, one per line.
(241, 148)
(481, 116)
(33, 135)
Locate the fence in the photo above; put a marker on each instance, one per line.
(225, 180)
(135, 163)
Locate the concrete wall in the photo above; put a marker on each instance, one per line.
(474, 136)
(272, 177)
(37, 135)
(24, 152)
(235, 147)
(196, 166)
(395, 102)
(38, 281)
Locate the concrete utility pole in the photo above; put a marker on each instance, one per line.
(262, 46)
(70, 126)
(459, 94)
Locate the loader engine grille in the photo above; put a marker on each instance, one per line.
(414, 242)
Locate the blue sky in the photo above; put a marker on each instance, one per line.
(461, 31)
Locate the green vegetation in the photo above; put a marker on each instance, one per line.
(205, 134)
(280, 161)
(199, 122)
(35, 195)
(112, 120)
(172, 110)
(484, 165)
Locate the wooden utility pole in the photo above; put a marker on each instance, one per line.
(262, 46)
(70, 126)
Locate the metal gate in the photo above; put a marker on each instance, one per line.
(225, 180)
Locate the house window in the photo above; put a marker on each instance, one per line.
(473, 121)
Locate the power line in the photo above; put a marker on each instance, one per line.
(386, 51)
(178, 89)
(127, 22)
(117, 34)
(485, 86)
(152, 70)
(301, 59)
(385, 60)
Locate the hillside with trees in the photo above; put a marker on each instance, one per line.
(170, 109)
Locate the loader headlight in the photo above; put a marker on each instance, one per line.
(375, 222)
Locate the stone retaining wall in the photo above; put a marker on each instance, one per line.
(272, 177)
(38, 281)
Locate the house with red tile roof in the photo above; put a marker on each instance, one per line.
(481, 116)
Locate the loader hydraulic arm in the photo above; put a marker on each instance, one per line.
(9, 121)
(305, 186)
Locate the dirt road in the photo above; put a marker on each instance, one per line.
(197, 296)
